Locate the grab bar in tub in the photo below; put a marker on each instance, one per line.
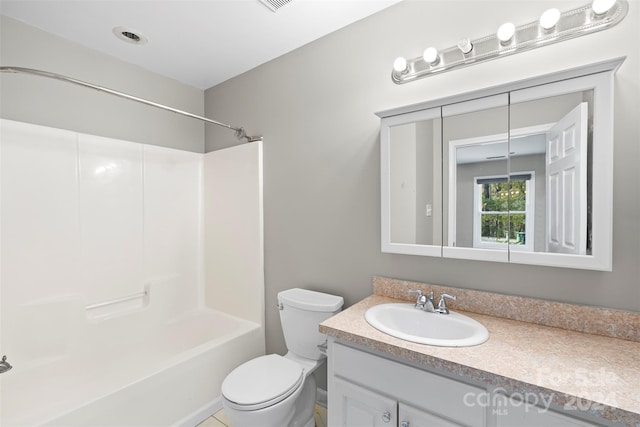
(117, 300)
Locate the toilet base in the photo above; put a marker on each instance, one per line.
(305, 404)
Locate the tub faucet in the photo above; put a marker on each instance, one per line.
(4, 365)
(424, 302)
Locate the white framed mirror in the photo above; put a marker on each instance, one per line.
(518, 173)
(412, 219)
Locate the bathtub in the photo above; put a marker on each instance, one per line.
(130, 370)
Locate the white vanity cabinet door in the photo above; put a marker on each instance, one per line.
(519, 414)
(360, 407)
(437, 399)
(408, 416)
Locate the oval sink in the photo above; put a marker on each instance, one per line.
(406, 322)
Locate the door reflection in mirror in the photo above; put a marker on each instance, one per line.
(517, 176)
(563, 199)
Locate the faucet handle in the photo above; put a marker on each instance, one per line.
(442, 305)
(421, 300)
(415, 291)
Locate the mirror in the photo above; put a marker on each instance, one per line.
(476, 151)
(507, 176)
(414, 186)
(559, 160)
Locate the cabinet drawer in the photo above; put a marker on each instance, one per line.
(438, 394)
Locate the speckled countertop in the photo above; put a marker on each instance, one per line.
(577, 370)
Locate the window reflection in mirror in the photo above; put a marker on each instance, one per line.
(415, 183)
(475, 160)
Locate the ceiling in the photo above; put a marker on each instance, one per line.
(201, 43)
(526, 145)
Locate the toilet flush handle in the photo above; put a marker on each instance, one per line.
(280, 306)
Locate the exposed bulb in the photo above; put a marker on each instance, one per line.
(400, 65)
(549, 18)
(506, 32)
(430, 56)
(600, 7)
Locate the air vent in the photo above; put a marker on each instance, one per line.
(274, 5)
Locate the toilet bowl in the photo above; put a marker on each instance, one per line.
(280, 391)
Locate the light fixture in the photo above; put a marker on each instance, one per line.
(430, 56)
(600, 7)
(400, 65)
(465, 45)
(505, 32)
(549, 18)
(595, 16)
(130, 35)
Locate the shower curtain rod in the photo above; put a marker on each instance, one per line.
(240, 132)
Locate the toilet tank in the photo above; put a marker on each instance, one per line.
(301, 311)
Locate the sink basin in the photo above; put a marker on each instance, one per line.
(406, 322)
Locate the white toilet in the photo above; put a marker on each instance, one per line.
(280, 391)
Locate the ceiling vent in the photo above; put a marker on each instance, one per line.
(274, 5)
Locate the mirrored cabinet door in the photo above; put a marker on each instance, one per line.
(567, 143)
(475, 137)
(411, 153)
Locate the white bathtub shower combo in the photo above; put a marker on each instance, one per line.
(123, 294)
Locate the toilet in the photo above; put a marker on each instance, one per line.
(280, 391)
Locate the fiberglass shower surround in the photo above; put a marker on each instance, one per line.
(102, 279)
(111, 253)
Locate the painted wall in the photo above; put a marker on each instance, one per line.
(62, 105)
(315, 108)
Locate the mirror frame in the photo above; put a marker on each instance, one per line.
(597, 77)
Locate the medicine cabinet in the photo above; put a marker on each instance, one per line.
(517, 173)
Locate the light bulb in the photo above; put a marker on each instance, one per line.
(431, 55)
(400, 64)
(549, 18)
(600, 7)
(506, 32)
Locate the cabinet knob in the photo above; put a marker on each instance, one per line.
(404, 423)
(386, 417)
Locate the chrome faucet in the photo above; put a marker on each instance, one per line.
(442, 305)
(424, 302)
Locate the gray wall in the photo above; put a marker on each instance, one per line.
(57, 104)
(315, 108)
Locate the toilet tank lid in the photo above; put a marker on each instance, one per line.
(310, 300)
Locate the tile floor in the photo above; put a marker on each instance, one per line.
(220, 419)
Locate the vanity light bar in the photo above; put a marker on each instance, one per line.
(510, 39)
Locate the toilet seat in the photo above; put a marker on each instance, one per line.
(262, 382)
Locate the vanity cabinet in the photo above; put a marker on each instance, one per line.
(359, 406)
(521, 414)
(369, 390)
(366, 389)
